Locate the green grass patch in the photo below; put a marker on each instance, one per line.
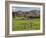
(19, 25)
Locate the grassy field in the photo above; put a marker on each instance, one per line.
(19, 25)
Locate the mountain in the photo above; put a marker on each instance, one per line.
(28, 13)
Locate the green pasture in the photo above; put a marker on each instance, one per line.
(19, 25)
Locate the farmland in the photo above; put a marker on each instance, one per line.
(26, 20)
(19, 24)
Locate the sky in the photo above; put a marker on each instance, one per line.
(24, 8)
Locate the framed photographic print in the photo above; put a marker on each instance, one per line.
(24, 18)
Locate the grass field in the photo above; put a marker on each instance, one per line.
(19, 25)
